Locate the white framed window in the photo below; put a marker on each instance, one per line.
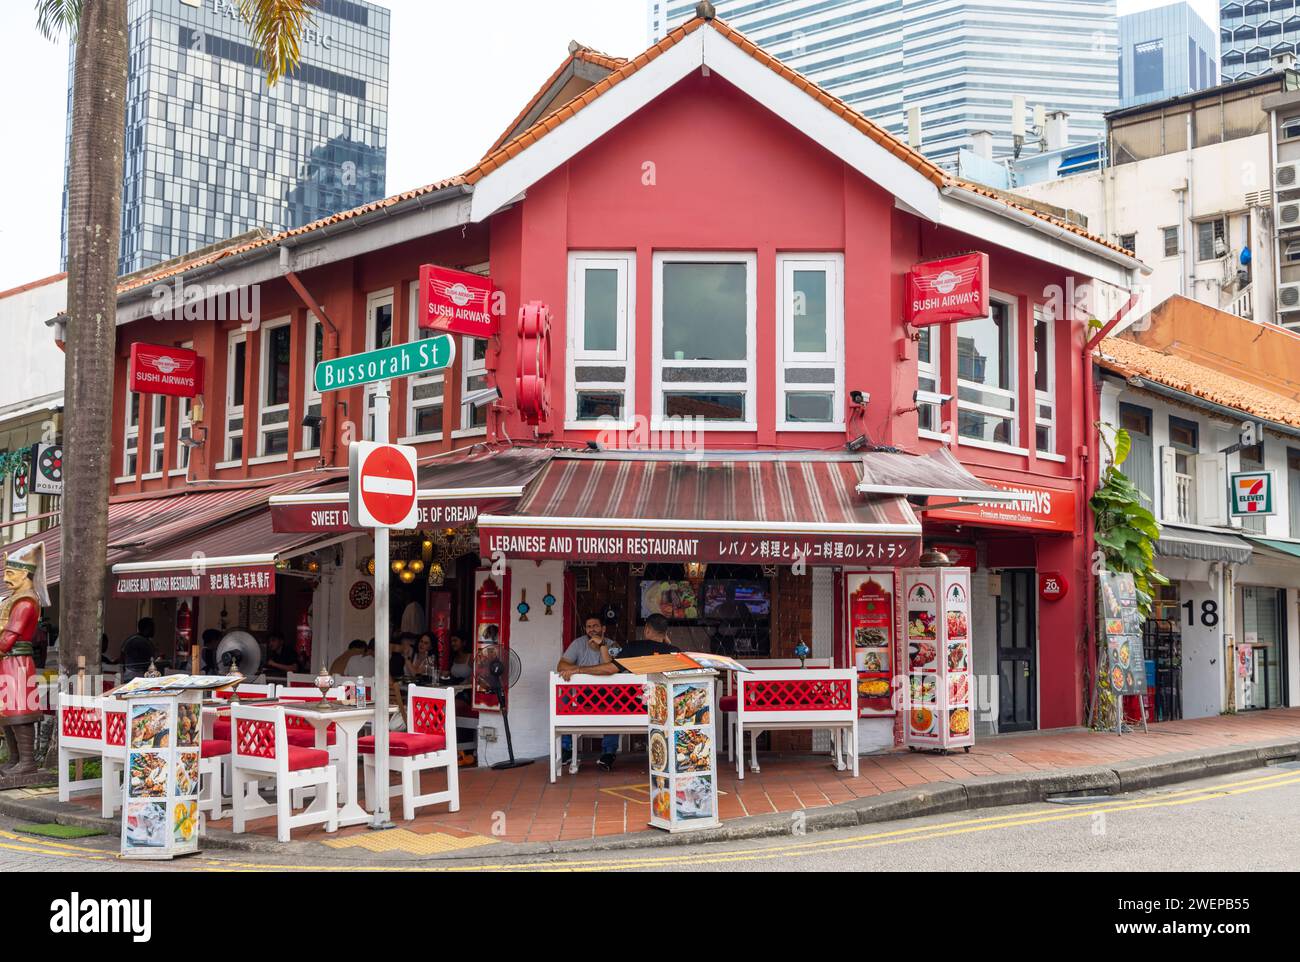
(601, 326)
(236, 360)
(131, 438)
(473, 379)
(1172, 241)
(929, 420)
(704, 337)
(1290, 128)
(379, 334)
(1211, 239)
(1044, 380)
(157, 434)
(424, 392)
(273, 406)
(986, 376)
(311, 400)
(184, 427)
(810, 365)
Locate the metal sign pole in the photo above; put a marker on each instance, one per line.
(381, 819)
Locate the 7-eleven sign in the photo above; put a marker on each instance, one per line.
(1251, 494)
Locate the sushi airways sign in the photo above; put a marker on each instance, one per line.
(1251, 494)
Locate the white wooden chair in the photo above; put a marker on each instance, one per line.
(113, 760)
(429, 742)
(221, 727)
(260, 751)
(81, 736)
(214, 761)
(727, 701)
(303, 734)
(594, 705)
(791, 699)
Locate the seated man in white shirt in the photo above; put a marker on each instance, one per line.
(589, 654)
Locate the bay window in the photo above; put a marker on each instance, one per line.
(273, 412)
(1044, 381)
(423, 391)
(600, 328)
(986, 377)
(704, 307)
(810, 368)
(311, 402)
(236, 358)
(131, 438)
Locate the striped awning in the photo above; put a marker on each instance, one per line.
(743, 508)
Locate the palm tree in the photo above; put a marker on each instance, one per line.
(99, 29)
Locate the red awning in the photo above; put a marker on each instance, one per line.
(744, 508)
(454, 489)
(142, 523)
(238, 558)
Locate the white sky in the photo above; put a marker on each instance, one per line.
(459, 72)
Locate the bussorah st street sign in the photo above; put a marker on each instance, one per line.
(400, 360)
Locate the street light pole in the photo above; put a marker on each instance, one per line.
(380, 817)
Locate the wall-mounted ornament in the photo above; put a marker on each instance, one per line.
(523, 607)
(638, 569)
(548, 599)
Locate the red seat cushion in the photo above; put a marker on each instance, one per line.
(300, 758)
(727, 703)
(214, 747)
(221, 729)
(306, 737)
(404, 744)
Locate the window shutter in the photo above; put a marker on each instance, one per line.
(1168, 490)
(1211, 490)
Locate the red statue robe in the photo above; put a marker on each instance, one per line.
(20, 614)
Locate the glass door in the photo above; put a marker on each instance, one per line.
(1263, 614)
(1017, 651)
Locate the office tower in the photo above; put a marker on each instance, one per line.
(212, 152)
(1253, 33)
(1164, 52)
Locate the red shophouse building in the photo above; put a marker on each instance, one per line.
(717, 240)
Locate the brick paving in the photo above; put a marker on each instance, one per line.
(521, 805)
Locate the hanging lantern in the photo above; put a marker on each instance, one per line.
(398, 566)
(695, 571)
(406, 576)
(415, 565)
(436, 576)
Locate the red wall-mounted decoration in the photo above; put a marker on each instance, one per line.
(1052, 586)
(533, 363)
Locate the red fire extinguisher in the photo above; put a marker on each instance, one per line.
(184, 634)
(303, 644)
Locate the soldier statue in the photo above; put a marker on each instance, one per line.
(24, 574)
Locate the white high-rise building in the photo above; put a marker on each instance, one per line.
(963, 62)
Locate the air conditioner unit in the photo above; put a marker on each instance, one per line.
(1288, 215)
(1288, 297)
(1287, 176)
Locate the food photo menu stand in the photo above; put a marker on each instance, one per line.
(869, 605)
(937, 694)
(160, 807)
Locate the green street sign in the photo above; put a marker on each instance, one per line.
(401, 360)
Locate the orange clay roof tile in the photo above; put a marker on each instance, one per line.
(1131, 359)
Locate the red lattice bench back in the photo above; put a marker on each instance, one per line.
(428, 715)
(115, 728)
(255, 737)
(794, 695)
(82, 723)
(604, 700)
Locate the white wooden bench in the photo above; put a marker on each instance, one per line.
(594, 705)
(792, 699)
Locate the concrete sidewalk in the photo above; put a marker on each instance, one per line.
(519, 812)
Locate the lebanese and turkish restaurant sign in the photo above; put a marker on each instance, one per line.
(736, 547)
(948, 290)
(456, 302)
(157, 369)
(1048, 509)
(213, 580)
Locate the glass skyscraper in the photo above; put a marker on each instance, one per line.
(1164, 52)
(212, 152)
(960, 61)
(1253, 32)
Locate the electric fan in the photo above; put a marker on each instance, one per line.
(239, 650)
(495, 675)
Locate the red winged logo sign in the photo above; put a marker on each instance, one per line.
(157, 369)
(456, 302)
(948, 290)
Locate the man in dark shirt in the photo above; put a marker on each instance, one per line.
(138, 650)
(655, 640)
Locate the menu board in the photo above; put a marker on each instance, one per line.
(937, 697)
(1122, 621)
(160, 810)
(682, 752)
(870, 622)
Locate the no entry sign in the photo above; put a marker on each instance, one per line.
(381, 488)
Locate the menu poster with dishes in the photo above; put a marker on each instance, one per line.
(160, 811)
(871, 614)
(1126, 669)
(489, 640)
(937, 697)
(682, 751)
